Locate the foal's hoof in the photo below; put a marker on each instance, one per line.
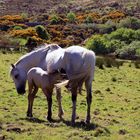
(60, 115)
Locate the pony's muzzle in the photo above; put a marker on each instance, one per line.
(21, 90)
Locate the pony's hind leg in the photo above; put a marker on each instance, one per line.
(74, 98)
(31, 96)
(59, 97)
(88, 85)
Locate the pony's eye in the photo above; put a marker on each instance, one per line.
(16, 76)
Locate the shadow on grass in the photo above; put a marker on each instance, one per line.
(58, 123)
(33, 120)
(81, 125)
(88, 127)
(37, 120)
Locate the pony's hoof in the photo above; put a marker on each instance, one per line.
(49, 119)
(72, 123)
(29, 115)
(87, 121)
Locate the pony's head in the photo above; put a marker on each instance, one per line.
(19, 77)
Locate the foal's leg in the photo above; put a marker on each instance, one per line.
(31, 96)
(59, 97)
(48, 95)
(74, 98)
(88, 85)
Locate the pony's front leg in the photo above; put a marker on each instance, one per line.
(74, 98)
(31, 97)
(48, 95)
(59, 97)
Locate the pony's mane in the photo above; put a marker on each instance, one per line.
(39, 48)
(44, 47)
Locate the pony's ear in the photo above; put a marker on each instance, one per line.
(13, 66)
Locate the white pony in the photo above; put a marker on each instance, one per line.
(76, 61)
(38, 78)
(79, 65)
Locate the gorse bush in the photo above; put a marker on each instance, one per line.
(23, 33)
(71, 17)
(42, 33)
(14, 18)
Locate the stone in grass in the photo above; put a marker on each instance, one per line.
(97, 92)
(122, 131)
(98, 132)
(114, 79)
(96, 112)
(108, 89)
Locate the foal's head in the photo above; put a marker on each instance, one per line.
(19, 77)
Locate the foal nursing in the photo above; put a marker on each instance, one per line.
(38, 78)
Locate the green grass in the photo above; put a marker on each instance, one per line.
(115, 112)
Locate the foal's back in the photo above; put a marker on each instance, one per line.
(38, 77)
(41, 79)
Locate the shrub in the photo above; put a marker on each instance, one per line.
(42, 33)
(137, 64)
(97, 43)
(89, 19)
(105, 28)
(100, 62)
(24, 15)
(130, 22)
(123, 42)
(113, 45)
(10, 42)
(109, 62)
(54, 19)
(20, 41)
(71, 17)
(130, 51)
(137, 35)
(17, 28)
(31, 43)
(123, 34)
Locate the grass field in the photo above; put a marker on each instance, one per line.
(115, 112)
